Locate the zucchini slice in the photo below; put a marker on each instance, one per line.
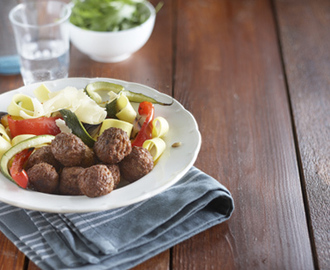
(98, 90)
(139, 97)
(77, 127)
(111, 109)
(29, 143)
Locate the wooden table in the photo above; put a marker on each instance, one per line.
(256, 76)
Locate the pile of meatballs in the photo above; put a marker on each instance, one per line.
(69, 167)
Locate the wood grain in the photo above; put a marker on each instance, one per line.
(10, 82)
(11, 257)
(255, 74)
(305, 38)
(159, 262)
(229, 75)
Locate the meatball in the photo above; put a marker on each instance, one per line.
(114, 169)
(43, 177)
(137, 164)
(96, 181)
(112, 146)
(43, 154)
(69, 181)
(88, 159)
(68, 149)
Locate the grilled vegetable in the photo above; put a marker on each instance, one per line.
(145, 109)
(98, 90)
(77, 127)
(16, 169)
(17, 148)
(36, 126)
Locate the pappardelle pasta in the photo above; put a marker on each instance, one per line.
(101, 121)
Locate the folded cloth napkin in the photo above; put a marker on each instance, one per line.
(119, 238)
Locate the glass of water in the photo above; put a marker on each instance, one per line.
(42, 39)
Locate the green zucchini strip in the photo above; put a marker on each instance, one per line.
(72, 121)
(95, 89)
(29, 143)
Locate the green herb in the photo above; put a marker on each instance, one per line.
(108, 15)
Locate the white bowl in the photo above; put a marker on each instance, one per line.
(111, 47)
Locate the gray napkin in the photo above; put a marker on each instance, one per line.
(120, 238)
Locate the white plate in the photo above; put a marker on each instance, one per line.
(172, 165)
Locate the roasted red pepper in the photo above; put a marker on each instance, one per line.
(36, 126)
(16, 169)
(146, 109)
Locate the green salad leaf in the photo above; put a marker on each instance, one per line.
(108, 15)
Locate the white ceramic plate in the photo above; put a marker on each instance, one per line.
(172, 165)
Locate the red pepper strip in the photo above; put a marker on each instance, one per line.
(146, 109)
(36, 126)
(16, 170)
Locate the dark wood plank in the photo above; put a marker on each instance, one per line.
(32, 266)
(10, 82)
(11, 257)
(229, 75)
(159, 262)
(305, 38)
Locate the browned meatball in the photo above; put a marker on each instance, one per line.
(114, 169)
(43, 154)
(88, 159)
(69, 181)
(96, 181)
(137, 164)
(68, 149)
(43, 177)
(112, 146)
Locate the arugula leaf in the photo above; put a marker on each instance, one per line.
(108, 15)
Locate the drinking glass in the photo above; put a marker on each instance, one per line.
(42, 39)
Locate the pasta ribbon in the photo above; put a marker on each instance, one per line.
(156, 146)
(112, 95)
(4, 134)
(160, 127)
(108, 123)
(25, 106)
(125, 109)
(42, 93)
